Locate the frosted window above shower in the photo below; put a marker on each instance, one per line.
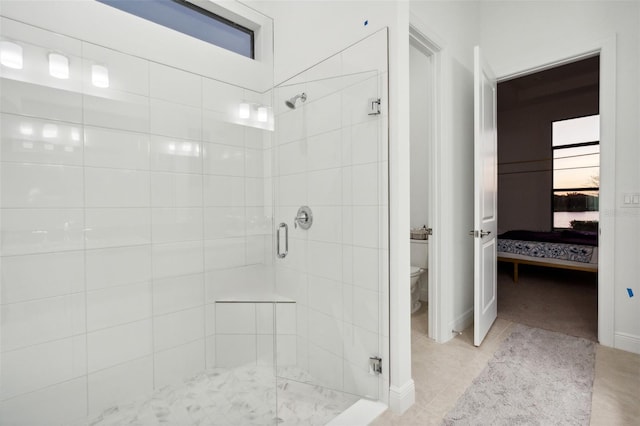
(192, 20)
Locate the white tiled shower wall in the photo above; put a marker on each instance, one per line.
(332, 156)
(126, 213)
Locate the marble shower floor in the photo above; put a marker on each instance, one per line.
(241, 396)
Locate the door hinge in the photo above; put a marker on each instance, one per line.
(375, 365)
(374, 106)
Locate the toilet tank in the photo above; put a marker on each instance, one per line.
(420, 253)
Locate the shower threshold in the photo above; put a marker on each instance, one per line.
(239, 396)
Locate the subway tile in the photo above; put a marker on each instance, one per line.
(324, 114)
(292, 157)
(292, 190)
(264, 317)
(117, 227)
(115, 345)
(325, 151)
(177, 293)
(286, 350)
(325, 260)
(236, 318)
(126, 73)
(325, 296)
(254, 163)
(176, 364)
(366, 309)
(327, 224)
(255, 138)
(176, 259)
(171, 119)
(366, 263)
(210, 319)
(174, 85)
(121, 110)
(62, 403)
(120, 384)
(115, 149)
(254, 192)
(113, 306)
(264, 349)
(255, 249)
(26, 370)
(224, 253)
(291, 126)
(258, 220)
(178, 328)
(220, 96)
(325, 187)
(116, 188)
(210, 352)
(175, 155)
(176, 224)
(366, 224)
(224, 191)
(326, 368)
(176, 190)
(224, 160)
(217, 129)
(40, 101)
(22, 141)
(38, 321)
(117, 266)
(28, 231)
(235, 350)
(41, 275)
(286, 314)
(354, 101)
(35, 185)
(366, 141)
(223, 222)
(365, 184)
(326, 332)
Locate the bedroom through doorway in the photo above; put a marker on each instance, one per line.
(548, 198)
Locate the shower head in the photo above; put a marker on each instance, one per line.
(291, 103)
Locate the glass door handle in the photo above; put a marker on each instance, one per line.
(286, 240)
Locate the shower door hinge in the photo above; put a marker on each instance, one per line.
(374, 106)
(375, 365)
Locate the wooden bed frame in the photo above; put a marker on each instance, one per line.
(517, 262)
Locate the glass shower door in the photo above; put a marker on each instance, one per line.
(330, 197)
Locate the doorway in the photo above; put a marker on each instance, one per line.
(548, 187)
(424, 134)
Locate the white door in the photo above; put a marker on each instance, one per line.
(485, 199)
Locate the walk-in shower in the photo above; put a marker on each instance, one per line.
(140, 282)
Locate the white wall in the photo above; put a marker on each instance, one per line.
(513, 42)
(126, 213)
(420, 139)
(456, 28)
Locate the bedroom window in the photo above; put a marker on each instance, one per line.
(576, 172)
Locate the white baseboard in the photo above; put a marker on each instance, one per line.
(463, 321)
(627, 342)
(402, 397)
(362, 413)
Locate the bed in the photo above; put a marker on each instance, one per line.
(565, 249)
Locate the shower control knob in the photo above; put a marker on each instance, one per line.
(304, 218)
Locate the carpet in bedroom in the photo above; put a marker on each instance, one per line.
(535, 377)
(551, 299)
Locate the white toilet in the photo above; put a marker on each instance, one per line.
(419, 265)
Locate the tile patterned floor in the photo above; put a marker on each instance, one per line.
(242, 396)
